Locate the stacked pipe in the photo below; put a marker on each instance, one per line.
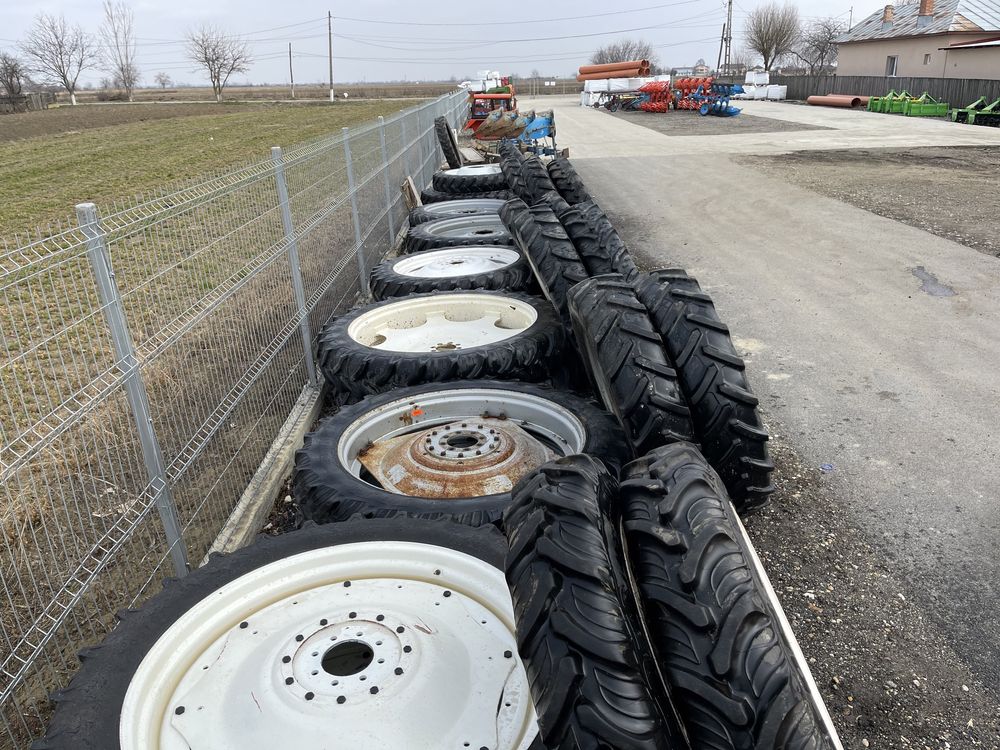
(660, 96)
(687, 89)
(837, 100)
(627, 69)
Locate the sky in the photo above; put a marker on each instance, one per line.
(390, 40)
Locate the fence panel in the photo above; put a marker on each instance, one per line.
(199, 305)
(958, 92)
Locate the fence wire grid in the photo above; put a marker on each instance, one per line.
(151, 355)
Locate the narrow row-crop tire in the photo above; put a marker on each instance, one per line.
(453, 208)
(599, 243)
(578, 628)
(449, 146)
(534, 181)
(715, 631)
(627, 363)
(481, 229)
(354, 370)
(387, 280)
(430, 195)
(474, 178)
(326, 491)
(713, 378)
(567, 182)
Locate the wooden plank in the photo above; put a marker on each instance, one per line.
(471, 155)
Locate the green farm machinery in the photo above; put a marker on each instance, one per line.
(925, 106)
(978, 113)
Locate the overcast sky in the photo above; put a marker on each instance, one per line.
(378, 40)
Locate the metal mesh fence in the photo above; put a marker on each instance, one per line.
(151, 355)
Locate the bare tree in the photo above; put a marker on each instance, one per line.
(624, 50)
(772, 31)
(12, 75)
(219, 55)
(58, 52)
(817, 47)
(163, 80)
(118, 37)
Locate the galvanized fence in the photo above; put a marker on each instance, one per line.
(152, 352)
(959, 92)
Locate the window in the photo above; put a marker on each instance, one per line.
(891, 63)
(927, 59)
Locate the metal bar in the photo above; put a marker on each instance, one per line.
(359, 250)
(385, 173)
(135, 388)
(293, 262)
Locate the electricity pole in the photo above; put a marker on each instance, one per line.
(729, 36)
(329, 33)
(291, 76)
(850, 23)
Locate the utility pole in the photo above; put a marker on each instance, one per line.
(722, 44)
(729, 36)
(291, 75)
(329, 34)
(850, 23)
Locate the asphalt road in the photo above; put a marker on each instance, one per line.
(875, 349)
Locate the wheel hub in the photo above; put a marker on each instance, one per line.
(467, 458)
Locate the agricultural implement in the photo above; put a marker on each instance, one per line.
(486, 104)
(891, 103)
(925, 106)
(963, 114)
(657, 96)
(979, 113)
(876, 102)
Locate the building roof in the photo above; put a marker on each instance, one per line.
(976, 44)
(949, 16)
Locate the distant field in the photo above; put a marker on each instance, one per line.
(242, 93)
(52, 160)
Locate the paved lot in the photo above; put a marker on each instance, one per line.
(693, 125)
(875, 348)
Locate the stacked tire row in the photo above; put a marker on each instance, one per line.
(490, 557)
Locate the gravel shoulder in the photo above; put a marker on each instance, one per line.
(950, 192)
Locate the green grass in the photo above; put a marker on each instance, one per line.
(43, 177)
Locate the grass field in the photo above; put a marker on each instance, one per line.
(53, 159)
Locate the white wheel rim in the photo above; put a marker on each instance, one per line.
(245, 667)
(475, 227)
(553, 425)
(456, 261)
(468, 206)
(475, 169)
(442, 323)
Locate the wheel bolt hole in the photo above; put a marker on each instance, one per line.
(347, 658)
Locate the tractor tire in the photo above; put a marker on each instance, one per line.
(511, 161)
(584, 236)
(717, 631)
(567, 182)
(472, 178)
(329, 486)
(628, 364)
(535, 181)
(449, 147)
(465, 267)
(609, 241)
(578, 628)
(91, 713)
(453, 209)
(429, 195)
(482, 229)
(528, 345)
(713, 378)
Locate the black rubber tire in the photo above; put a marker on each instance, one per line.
(482, 229)
(451, 209)
(386, 283)
(628, 364)
(429, 195)
(535, 181)
(713, 377)
(511, 160)
(326, 492)
(713, 628)
(451, 153)
(567, 182)
(88, 711)
(354, 371)
(463, 184)
(584, 236)
(610, 244)
(540, 236)
(578, 628)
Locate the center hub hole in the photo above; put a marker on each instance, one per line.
(461, 441)
(347, 658)
(483, 231)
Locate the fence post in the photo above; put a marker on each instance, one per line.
(362, 266)
(293, 262)
(135, 388)
(389, 202)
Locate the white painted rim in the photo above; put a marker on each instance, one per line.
(555, 426)
(470, 227)
(249, 666)
(474, 169)
(442, 323)
(456, 261)
(467, 206)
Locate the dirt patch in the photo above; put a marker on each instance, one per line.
(950, 192)
(889, 678)
(685, 123)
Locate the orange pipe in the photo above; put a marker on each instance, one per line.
(629, 73)
(608, 67)
(835, 100)
(492, 96)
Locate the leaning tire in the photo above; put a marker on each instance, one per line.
(627, 363)
(713, 378)
(717, 630)
(432, 338)
(331, 479)
(482, 229)
(289, 602)
(534, 181)
(447, 269)
(578, 630)
(454, 209)
(472, 178)
(600, 247)
(567, 182)
(429, 195)
(448, 145)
